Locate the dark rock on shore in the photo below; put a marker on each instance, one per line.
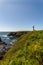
(3, 48)
(16, 34)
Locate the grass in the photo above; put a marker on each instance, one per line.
(28, 50)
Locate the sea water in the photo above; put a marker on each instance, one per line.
(6, 39)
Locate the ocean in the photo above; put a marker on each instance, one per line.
(6, 39)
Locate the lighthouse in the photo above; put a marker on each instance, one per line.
(33, 28)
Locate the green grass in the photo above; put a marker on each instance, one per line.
(28, 50)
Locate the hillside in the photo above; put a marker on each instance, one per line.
(28, 50)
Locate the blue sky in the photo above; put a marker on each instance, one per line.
(17, 15)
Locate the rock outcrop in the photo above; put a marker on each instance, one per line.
(16, 34)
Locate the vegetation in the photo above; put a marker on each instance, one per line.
(28, 50)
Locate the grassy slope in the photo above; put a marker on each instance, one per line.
(28, 50)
